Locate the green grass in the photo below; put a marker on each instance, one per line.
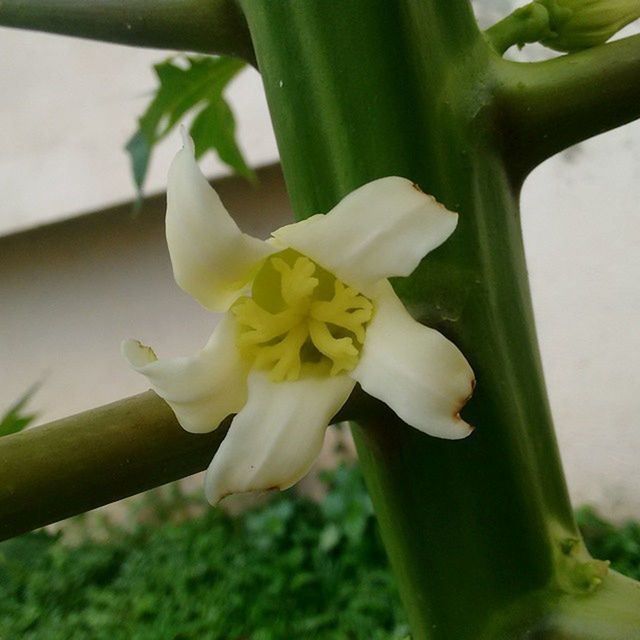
(291, 568)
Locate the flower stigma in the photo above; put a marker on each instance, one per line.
(300, 319)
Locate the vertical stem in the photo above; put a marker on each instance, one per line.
(367, 88)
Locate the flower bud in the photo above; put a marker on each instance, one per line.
(580, 24)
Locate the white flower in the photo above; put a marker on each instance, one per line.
(310, 313)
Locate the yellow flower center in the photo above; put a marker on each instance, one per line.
(300, 319)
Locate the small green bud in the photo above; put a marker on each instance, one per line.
(533, 23)
(580, 24)
(526, 24)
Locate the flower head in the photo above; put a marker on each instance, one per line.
(580, 24)
(309, 313)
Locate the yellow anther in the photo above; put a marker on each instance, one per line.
(347, 309)
(297, 281)
(283, 358)
(341, 351)
(260, 325)
(301, 320)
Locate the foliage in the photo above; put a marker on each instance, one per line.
(620, 544)
(291, 568)
(190, 84)
(15, 419)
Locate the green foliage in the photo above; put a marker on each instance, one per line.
(15, 419)
(190, 84)
(292, 568)
(620, 545)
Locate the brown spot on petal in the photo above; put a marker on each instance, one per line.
(468, 397)
(464, 399)
(463, 402)
(458, 418)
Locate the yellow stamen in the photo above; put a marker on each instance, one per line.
(301, 320)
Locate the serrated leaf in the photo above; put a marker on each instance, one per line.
(214, 129)
(186, 84)
(14, 420)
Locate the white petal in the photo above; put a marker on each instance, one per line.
(203, 389)
(277, 435)
(380, 230)
(211, 257)
(415, 370)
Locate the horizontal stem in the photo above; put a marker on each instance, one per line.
(51, 472)
(546, 107)
(85, 461)
(203, 26)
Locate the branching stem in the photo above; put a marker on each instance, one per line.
(545, 107)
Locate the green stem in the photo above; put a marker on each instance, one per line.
(545, 107)
(526, 24)
(85, 461)
(368, 88)
(204, 26)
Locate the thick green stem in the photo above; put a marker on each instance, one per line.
(545, 107)
(204, 26)
(97, 457)
(480, 528)
(82, 462)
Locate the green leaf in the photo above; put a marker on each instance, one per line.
(189, 84)
(139, 149)
(214, 128)
(14, 419)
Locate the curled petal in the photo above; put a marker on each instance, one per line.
(203, 389)
(380, 230)
(277, 435)
(211, 257)
(415, 370)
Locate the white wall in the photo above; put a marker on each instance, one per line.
(67, 108)
(582, 235)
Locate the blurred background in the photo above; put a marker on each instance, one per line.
(79, 272)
